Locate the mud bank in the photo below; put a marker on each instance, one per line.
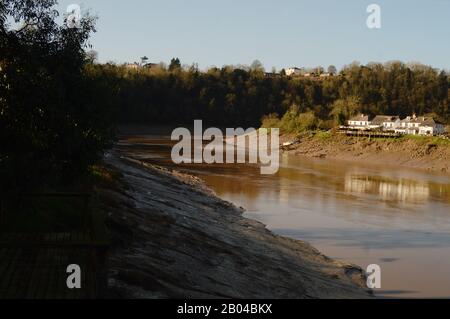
(173, 238)
(421, 153)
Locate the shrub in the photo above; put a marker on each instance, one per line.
(270, 121)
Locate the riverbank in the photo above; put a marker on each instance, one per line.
(173, 238)
(428, 153)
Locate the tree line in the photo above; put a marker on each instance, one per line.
(240, 95)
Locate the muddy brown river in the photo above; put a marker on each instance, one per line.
(395, 217)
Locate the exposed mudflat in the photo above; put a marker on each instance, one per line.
(173, 238)
(422, 154)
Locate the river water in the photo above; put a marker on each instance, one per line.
(398, 218)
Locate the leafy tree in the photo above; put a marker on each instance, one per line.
(257, 66)
(289, 122)
(332, 69)
(92, 56)
(307, 121)
(270, 121)
(175, 64)
(343, 109)
(53, 122)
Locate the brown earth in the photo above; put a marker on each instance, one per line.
(422, 153)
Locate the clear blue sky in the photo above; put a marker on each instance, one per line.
(280, 33)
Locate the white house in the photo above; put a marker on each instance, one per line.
(360, 122)
(385, 122)
(431, 127)
(420, 126)
(294, 71)
(411, 125)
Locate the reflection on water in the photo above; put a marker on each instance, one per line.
(395, 217)
(402, 190)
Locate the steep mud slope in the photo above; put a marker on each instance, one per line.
(172, 237)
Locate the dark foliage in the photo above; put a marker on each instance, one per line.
(241, 96)
(53, 121)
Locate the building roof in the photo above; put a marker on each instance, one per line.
(428, 121)
(360, 118)
(422, 120)
(380, 119)
(151, 65)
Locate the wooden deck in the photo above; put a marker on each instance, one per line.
(34, 265)
(369, 134)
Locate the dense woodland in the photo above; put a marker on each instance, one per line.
(59, 108)
(55, 120)
(243, 95)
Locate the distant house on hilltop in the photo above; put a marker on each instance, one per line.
(137, 66)
(152, 66)
(294, 71)
(132, 66)
(308, 72)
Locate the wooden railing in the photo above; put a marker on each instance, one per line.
(368, 133)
